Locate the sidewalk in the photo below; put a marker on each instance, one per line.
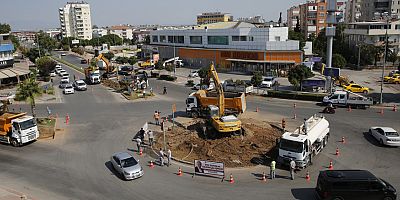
(9, 194)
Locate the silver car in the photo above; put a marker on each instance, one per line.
(126, 165)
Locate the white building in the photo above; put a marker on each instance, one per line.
(99, 32)
(75, 20)
(123, 31)
(374, 33)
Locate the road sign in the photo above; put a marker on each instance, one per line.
(75, 41)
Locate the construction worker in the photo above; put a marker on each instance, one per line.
(157, 117)
(141, 134)
(283, 124)
(169, 154)
(272, 169)
(165, 90)
(292, 166)
(151, 137)
(161, 157)
(138, 143)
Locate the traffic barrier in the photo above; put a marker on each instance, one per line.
(330, 165)
(308, 176)
(231, 180)
(394, 108)
(343, 140)
(349, 109)
(264, 177)
(337, 153)
(151, 164)
(179, 172)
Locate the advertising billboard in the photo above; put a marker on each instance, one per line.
(203, 167)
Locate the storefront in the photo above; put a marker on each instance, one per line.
(268, 68)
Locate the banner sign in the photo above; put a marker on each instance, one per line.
(203, 167)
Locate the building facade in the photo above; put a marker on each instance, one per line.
(235, 46)
(213, 17)
(75, 20)
(370, 7)
(353, 11)
(25, 36)
(374, 33)
(293, 15)
(6, 51)
(123, 31)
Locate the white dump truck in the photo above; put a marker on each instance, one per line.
(17, 128)
(347, 98)
(305, 142)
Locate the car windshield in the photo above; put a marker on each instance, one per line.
(129, 162)
(68, 87)
(64, 81)
(268, 79)
(293, 146)
(81, 83)
(27, 124)
(392, 134)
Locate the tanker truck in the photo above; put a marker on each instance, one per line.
(17, 128)
(304, 143)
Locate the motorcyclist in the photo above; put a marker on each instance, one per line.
(329, 108)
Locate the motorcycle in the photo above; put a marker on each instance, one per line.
(329, 110)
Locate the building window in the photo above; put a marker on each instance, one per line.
(277, 38)
(235, 38)
(218, 40)
(196, 40)
(170, 39)
(239, 38)
(251, 38)
(163, 38)
(155, 38)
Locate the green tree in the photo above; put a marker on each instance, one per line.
(45, 65)
(132, 60)
(122, 60)
(256, 79)
(338, 61)
(108, 55)
(293, 35)
(147, 39)
(65, 47)
(32, 54)
(391, 56)
(297, 74)
(28, 90)
(78, 50)
(203, 74)
(46, 42)
(5, 28)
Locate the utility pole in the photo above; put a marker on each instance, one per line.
(330, 33)
(384, 58)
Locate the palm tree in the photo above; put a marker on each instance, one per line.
(28, 90)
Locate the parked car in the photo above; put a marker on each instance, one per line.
(58, 70)
(394, 72)
(53, 74)
(194, 74)
(395, 79)
(65, 78)
(63, 54)
(356, 88)
(126, 165)
(63, 83)
(69, 89)
(127, 68)
(62, 72)
(123, 73)
(385, 135)
(353, 184)
(83, 61)
(80, 85)
(268, 82)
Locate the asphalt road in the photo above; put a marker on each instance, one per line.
(75, 165)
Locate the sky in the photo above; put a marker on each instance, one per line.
(43, 14)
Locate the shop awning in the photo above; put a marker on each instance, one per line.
(13, 72)
(261, 61)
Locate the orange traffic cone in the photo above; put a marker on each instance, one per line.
(381, 112)
(330, 165)
(179, 172)
(343, 141)
(394, 108)
(141, 152)
(349, 109)
(264, 177)
(231, 180)
(337, 151)
(257, 109)
(308, 176)
(151, 164)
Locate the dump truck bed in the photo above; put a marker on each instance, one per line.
(234, 101)
(5, 121)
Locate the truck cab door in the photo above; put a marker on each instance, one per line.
(342, 99)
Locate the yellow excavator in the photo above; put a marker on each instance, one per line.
(108, 67)
(221, 122)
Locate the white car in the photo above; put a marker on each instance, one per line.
(62, 72)
(80, 85)
(385, 135)
(58, 70)
(53, 74)
(63, 54)
(268, 82)
(65, 79)
(194, 74)
(69, 89)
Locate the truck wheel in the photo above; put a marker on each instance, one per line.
(14, 142)
(195, 115)
(365, 92)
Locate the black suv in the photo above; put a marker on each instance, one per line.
(353, 184)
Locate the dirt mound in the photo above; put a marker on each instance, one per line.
(235, 151)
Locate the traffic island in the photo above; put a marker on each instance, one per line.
(46, 127)
(191, 142)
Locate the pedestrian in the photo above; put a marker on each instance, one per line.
(169, 157)
(74, 77)
(272, 169)
(151, 91)
(138, 143)
(151, 137)
(157, 117)
(161, 157)
(141, 134)
(165, 90)
(292, 168)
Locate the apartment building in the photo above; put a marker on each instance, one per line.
(353, 11)
(75, 20)
(123, 31)
(213, 17)
(370, 7)
(313, 17)
(293, 16)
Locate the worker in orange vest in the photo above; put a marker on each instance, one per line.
(157, 117)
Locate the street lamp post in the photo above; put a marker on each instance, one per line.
(359, 56)
(387, 18)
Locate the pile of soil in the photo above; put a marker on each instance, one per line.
(234, 151)
(111, 84)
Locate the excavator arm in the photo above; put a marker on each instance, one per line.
(212, 73)
(108, 66)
